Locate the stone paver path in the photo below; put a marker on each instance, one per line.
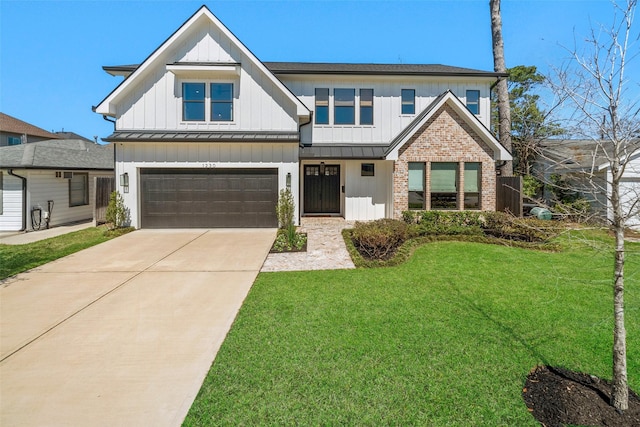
(325, 248)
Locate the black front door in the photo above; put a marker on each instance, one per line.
(322, 189)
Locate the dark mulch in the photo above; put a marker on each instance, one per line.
(557, 397)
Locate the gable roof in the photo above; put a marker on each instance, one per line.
(10, 124)
(572, 155)
(57, 154)
(499, 152)
(105, 106)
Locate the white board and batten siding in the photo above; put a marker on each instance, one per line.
(388, 121)
(131, 157)
(156, 101)
(42, 186)
(368, 197)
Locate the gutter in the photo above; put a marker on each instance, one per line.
(24, 199)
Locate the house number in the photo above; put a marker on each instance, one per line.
(208, 165)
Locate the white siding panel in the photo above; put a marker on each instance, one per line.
(387, 122)
(155, 102)
(11, 217)
(367, 197)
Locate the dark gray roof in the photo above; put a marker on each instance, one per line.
(375, 69)
(346, 68)
(57, 154)
(327, 151)
(200, 136)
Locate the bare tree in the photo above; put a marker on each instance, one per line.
(504, 112)
(604, 108)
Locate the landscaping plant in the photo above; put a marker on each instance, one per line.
(288, 238)
(117, 214)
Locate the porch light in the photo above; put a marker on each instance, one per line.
(321, 168)
(289, 180)
(124, 182)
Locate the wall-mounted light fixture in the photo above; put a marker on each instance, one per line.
(124, 182)
(321, 168)
(289, 180)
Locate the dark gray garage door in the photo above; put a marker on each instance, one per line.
(207, 198)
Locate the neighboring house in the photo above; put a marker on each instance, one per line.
(60, 171)
(206, 135)
(585, 167)
(15, 132)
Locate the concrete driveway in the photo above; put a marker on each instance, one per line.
(122, 333)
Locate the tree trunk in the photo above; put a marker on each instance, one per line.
(504, 112)
(620, 390)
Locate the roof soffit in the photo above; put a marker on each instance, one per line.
(156, 59)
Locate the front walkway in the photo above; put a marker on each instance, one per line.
(325, 248)
(22, 238)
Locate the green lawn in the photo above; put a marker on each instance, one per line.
(15, 259)
(445, 339)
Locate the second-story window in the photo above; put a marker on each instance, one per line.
(408, 101)
(221, 102)
(193, 101)
(473, 101)
(322, 106)
(366, 106)
(344, 112)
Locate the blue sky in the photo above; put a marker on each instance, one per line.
(51, 52)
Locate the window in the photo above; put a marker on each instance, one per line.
(472, 185)
(367, 169)
(444, 193)
(416, 185)
(14, 140)
(193, 101)
(408, 101)
(344, 110)
(221, 102)
(366, 106)
(473, 101)
(79, 189)
(322, 106)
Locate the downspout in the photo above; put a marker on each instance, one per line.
(24, 199)
(304, 124)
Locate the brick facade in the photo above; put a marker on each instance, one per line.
(446, 137)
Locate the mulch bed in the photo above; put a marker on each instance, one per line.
(557, 397)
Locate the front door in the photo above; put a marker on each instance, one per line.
(322, 188)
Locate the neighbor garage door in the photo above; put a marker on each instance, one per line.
(207, 198)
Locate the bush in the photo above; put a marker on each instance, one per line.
(504, 226)
(285, 209)
(379, 239)
(576, 211)
(117, 215)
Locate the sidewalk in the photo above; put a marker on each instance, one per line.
(21, 238)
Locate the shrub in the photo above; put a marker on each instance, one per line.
(285, 209)
(502, 225)
(531, 186)
(117, 214)
(576, 211)
(379, 239)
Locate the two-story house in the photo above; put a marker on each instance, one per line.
(206, 135)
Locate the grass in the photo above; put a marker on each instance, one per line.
(445, 339)
(15, 259)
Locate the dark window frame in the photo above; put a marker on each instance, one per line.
(341, 106)
(186, 102)
(366, 106)
(228, 103)
(322, 105)
(473, 106)
(408, 106)
(85, 190)
(367, 169)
